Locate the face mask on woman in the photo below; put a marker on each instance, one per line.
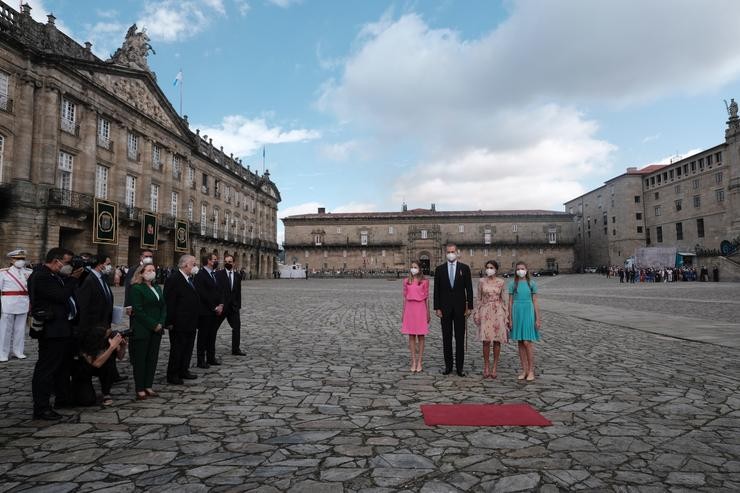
(521, 272)
(149, 276)
(490, 272)
(414, 271)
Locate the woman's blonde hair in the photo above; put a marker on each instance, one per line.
(419, 276)
(138, 277)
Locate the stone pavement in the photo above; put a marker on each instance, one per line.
(324, 402)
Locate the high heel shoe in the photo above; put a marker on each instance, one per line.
(150, 393)
(486, 371)
(141, 396)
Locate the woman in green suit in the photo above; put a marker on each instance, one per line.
(149, 311)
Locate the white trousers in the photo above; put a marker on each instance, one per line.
(12, 328)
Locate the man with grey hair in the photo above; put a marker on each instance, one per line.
(183, 304)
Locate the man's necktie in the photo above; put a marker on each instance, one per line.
(213, 276)
(451, 273)
(231, 280)
(190, 281)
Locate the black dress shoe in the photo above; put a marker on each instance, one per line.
(190, 376)
(462, 374)
(120, 378)
(47, 415)
(175, 381)
(203, 365)
(446, 371)
(214, 362)
(63, 405)
(238, 352)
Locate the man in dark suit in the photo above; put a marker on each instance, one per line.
(211, 309)
(51, 288)
(229, 281)
(183, 308)
(94, 296)
(453, 302)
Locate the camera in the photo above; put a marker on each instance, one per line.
(122, 332)
(80, 262)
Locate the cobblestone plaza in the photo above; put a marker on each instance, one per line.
(324, 402)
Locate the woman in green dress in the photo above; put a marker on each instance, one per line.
(524, 318)
(149, 311)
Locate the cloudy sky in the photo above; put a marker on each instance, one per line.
(474, 104)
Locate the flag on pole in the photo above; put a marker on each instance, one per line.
(178, 78)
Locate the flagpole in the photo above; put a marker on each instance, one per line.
(263, 160)
(181, 81)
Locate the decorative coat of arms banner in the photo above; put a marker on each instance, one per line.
(181, 236)
(105, 222)
(149, 230)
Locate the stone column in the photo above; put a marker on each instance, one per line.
(45, 135)
(731, 162)
(23, 140)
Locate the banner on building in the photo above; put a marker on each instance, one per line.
(148, 230)
(181, 236)
(105, 222)
(655, 257)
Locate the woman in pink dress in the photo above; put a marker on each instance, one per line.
(415, 320)
(491, 315)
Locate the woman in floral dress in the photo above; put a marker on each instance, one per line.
(491, 316)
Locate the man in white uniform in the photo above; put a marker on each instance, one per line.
(15, 305)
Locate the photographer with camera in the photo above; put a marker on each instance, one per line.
(54, 311)
(99, 348)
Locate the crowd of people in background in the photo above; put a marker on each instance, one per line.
(633, 274)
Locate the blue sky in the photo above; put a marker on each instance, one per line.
(467, 104)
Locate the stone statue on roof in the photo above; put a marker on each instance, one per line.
(731, 108)
(134, 51)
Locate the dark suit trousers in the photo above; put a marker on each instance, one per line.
(454, 322)
(207, 330)
(236, 327)
(181, 350)
(145, 360)
(52, 372)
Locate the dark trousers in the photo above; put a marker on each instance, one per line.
(51, 375)
(145, 359)
(207, 330)
(236, 328)
(454, 322)
(82, 386)
(181, 350)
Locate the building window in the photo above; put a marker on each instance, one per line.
(203, 218)
(693, 166)
(191, 206)
(154, 198)
(423, 234)
(176, 167)
(460, 228)
(227, 221)
(191, 177)
(487, 237)
(173, 203)
(339, 230)
(697, 201)
(679, 231)
(363, 238)
(605, 231)
(514, 228)
(638, 216)
(227, 193)
(709, 160)
(701, 164)
(382, 253)
(700, 227)
(659, 233)
(614, 219)
(4, 85)
(344, 253)
(69, 117)
(472, 252)
(391, 230)
(317, 240)
(678, 172)
(677, 188)
(130, 191)
(603, 216)
(133, 147)
(718, 157)
(678, 204)
(217, 189)
(718, 177)
(156, 157)
(657, 195)
(66, 166)
(552, 237)
(101, 182)
(720, 194)
(215, 223)
(639, 229)
(696, 183)
(657, 210)
(104, 133)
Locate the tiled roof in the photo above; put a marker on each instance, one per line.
(647, 169)
(429, 213)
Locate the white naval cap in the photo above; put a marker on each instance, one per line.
(19, 253)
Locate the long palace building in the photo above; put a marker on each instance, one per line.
(75, 128)
(391, 240)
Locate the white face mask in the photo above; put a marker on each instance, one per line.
(521, 272)
(414, 271)
(194, 270)
(451, 256)
(66, 270)
(20, 263)
(107, 269)
(490, 272)
(147, 261)
(149, 276)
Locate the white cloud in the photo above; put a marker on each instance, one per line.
(355, 207)
(497, 118)
(651, 138)
(243, 7)
(284, 3)
(39, 13)
(339, 151)
(297, 210)
(175, 20)
(106, 37)
(243, 136)
(679, 156)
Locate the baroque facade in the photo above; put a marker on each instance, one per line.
(74, 127)
(692, 205)
(389, 241)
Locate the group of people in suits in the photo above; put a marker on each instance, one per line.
(72, 314)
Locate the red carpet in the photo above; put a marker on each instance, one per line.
(482, 415)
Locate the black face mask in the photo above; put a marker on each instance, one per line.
(228, 266)
(215, 265)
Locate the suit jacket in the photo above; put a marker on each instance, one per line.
(127, 285)
(51, 293)
(149, 310)
(209, 292)
(448, 298)
(95, 308)
(182, 304)
(232, 296)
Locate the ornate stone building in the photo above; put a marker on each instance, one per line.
(74, 127)
(692, 205)
(390, 240)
